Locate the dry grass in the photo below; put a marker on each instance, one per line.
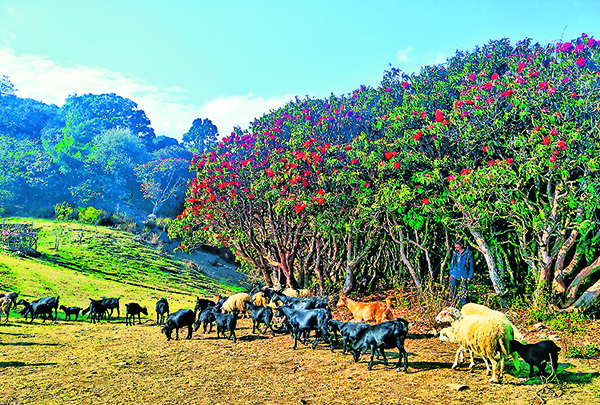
(81, 363)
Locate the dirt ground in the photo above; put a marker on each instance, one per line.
(79, 362)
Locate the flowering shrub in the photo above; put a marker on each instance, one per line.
(501, 142)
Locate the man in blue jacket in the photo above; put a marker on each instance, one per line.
(461, 272)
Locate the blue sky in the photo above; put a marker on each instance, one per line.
(231, 61)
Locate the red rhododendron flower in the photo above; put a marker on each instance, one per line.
(299, 207)
(270, 172)
(366, 185)
(491, 163)
(562, 145)
(425, 201)
(509, 161)
(404, 85)
(512, 201)
(573, 95)
(354, 161)
(320, 200)
(423, 115)
(521, 66)
(546, 140)
(472, 77)
(439, 116)
(553, 132)
(487, 86)
(451, 178)
(581, 62)
(485, 148)
(320, 192)
(464, 172)
(396, 165)
(389, 155)
(591, 42)
(553, 158)
(495, 76)
(543, 85)
(250, 196)
(417, 136)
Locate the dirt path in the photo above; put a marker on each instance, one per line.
(77, 362)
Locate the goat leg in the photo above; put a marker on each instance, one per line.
(373, 349)
(382, 351)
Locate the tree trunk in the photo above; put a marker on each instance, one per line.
(319, 268)
(351, 265)
(447, 256)
(588, 298)
(558, 284)
(582, 277)
(494, 264)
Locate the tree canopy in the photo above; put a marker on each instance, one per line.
(498, 144)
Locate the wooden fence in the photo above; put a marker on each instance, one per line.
(19, 237)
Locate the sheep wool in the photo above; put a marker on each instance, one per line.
(236, 302)
(290, 292)
(488, 337)
(450, 315)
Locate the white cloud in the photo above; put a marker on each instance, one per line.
(40, 78)
(228, 112)
(402, 54)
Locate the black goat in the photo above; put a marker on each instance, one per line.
(537, 354)
(202, 304)
(206, 318)
(226, 322)
(348, 330)
(35, 309)
(384, 335)
(301, 321)
(110, 304)
(70, 311)
(179, 319)
(133, 309)
(301, 303)
(162, 308)
(260, 315)
(96, 309)
(52, 302)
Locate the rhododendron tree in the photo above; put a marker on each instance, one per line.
(499, 144)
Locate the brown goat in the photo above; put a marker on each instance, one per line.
(377, 311)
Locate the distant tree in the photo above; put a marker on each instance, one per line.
(6, 87)
(88, 115)
(117, 152)
(202, 134)
(163, 179)
(24, 118)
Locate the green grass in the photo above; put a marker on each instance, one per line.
(95, 261)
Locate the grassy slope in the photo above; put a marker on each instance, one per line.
(96, 261)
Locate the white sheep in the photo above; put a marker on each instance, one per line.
(290, 292)
(260, 300)
(236, 302)
(488, 337)
(450, 315)
(303, 293)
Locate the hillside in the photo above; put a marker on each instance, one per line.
(95, 261)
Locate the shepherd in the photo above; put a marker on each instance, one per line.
(461, 273)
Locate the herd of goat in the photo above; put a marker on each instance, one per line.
(478, 330)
